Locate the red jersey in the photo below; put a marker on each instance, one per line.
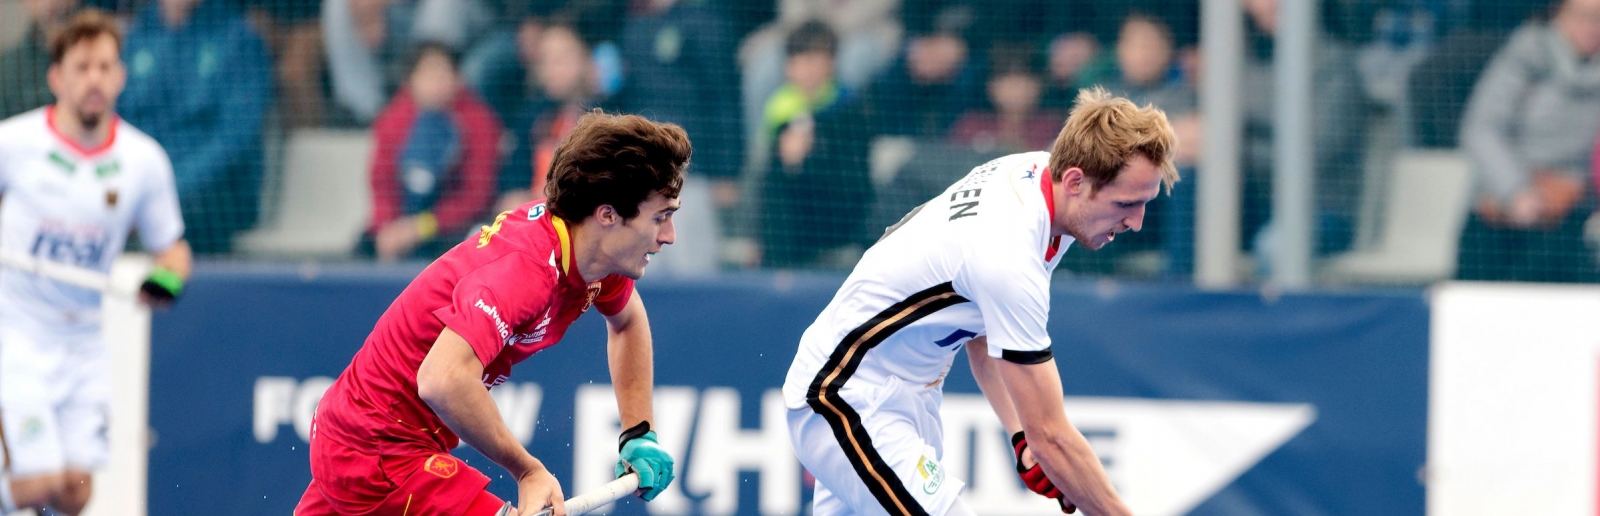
(510, 292)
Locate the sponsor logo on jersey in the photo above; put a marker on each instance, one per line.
(83, 246)
(931, 473)
(535, 212)
(491, 381)
(488, 232)
(523, 339)
(59, 160)
(111, 198)
(108, 169)
(443, 466)
(494, 313)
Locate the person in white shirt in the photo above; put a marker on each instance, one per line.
(75, 180)
(971, 268)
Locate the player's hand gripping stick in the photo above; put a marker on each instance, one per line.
(1034, 477)
(640, 453)
(582, 504)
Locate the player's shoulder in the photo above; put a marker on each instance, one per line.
(528, 228)
(134, 141)
(26, 126)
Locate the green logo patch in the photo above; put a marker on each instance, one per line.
(66, 165)
(108, 169)
(931, 473)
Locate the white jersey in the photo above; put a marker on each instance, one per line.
(64, 203)
(974, 261)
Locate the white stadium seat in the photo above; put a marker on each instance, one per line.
(325, 198)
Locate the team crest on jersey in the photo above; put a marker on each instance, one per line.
(443, 466)
(111, 198)
(931, 473)
(588, 298)
(535, 212)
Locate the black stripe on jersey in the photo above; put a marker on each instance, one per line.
(823, 394)
(1027, 357)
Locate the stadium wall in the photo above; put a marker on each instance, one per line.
(1200, 403)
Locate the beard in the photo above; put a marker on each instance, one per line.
(90, 121)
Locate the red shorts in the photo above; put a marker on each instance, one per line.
(347, 482)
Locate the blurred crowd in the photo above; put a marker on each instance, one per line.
(816, 123)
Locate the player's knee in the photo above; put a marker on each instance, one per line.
(74, 493)
(36, 491)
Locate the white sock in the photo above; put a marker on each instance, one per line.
(7, 505)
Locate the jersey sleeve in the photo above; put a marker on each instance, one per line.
(488, 303)
(159, 220)
(615, 292)
(1007, 277)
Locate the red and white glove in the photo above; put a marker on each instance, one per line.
(1034, 476)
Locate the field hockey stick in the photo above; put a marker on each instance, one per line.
(582, 504)
(69, 274)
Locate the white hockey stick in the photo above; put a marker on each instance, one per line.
(71, 275)
(582, 504)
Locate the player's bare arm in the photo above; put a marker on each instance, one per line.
(450, 381)
(178, 258)
(630, 353)
(633, 377)
(172, 269)
(985, 370)
(1060, 449)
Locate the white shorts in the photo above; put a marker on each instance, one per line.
(879, 452)
(55, 394)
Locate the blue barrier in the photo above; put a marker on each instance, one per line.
(237, 366)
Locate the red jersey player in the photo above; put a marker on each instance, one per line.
(381, 440)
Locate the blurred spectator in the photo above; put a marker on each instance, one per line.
(933, 82)
(200, 82)
(1529, 131)
(567, 88)
(1442, 82)
(681, 69)
(1145, 74)
(816, 193)
(501, 65)
(1012, 122)
(434, 158)
(869, 36)
(294, 37)
(1068, 67)
(1337, 116)
(22, 67)
(367, 40)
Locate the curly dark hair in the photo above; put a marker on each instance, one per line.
(616, 160)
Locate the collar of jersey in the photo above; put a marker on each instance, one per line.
(111, 135)
(1050, 206)
(566, 247)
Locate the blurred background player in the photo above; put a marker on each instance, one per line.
(419, 386)
(971, 267)
(75, 180)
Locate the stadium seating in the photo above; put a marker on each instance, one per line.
(324, 200)
(1427, 202)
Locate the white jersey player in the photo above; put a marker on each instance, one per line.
(970, 268)
(74, 180)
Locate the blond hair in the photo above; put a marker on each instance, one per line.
(1104, 131)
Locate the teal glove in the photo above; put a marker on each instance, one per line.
(642, 454)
